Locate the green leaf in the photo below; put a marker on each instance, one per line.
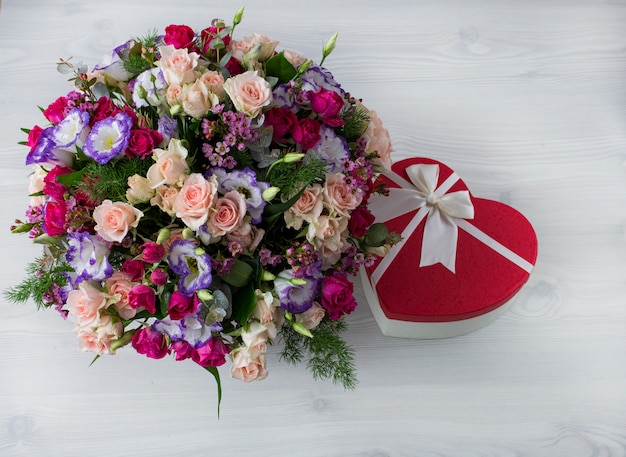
(70, 178)
(216, 375)
(244, 302)
(280, 67)
(239, 275)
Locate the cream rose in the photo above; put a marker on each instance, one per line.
(338, 197)
(256, 337)
(249, 92)
(99, 339)
(170, 167)
(328, 233)
(266, 303)
(247, 368)
(312, 316)
(164, 198)
(228, 214)
(86, 302)
(308, 207)
(378, 140)
(174, 94)
(194, 200)
(115, 219)
(36, 185)
(139, 189)
(294, 58)
(177, 65)
(197, 99)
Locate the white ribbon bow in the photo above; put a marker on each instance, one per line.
(443, 211)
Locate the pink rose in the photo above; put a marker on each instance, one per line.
(327, 104)
(209, 34)
(177, 65)
(308, 207)
(338, 197)
(227, 215)
(158, 277)
(337, 295)
(53, 188)
(33, 136)
(115, 219)
(119, 286)
(171, 165)
(249, 92)
(85, 303)
(54, 219)
(282, 121)
(104, 108)
(57, 110)
(134, 269)
(246, 368)
(306, 133)
(183, 350)
(152, 252)
(142, 142)
(360, 220)
(150, 342)
(378, 140)
(181, 305)
(142, 296)
(179, 36)
(194, 200)
(211, 354)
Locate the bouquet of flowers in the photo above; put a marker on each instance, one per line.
(205, 197)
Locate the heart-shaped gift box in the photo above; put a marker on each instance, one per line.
(460, 261)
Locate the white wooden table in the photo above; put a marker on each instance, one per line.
(526, 100)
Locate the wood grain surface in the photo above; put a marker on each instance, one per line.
(526, 100)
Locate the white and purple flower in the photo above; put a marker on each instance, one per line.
(331, 149)
(191, 329)
(88, 256)
(192, 264)
(149, 88)
(297, 293)
(108, 138)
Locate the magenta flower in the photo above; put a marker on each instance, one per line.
(211, 354)
(150, 342)
(337, 296)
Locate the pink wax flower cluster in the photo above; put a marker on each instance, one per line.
(202, 196)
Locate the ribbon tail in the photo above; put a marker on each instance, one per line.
(439, 241)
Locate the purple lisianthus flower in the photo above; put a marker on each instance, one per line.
(191, 329)
(108, 138)
(46, 150)
(88, 256)
(167, 127)
(282, 96)
(193, 268)
(113, 65)
(316, 78)
(243, 181)
(296, 294)
(149, 88)
(331, 148)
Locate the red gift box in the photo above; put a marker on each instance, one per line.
(460, 261)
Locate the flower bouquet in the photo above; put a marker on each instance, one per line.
(204, 197)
